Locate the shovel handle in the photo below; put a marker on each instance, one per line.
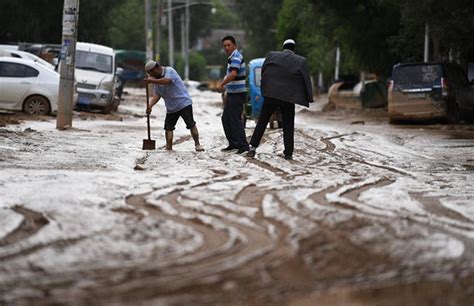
(147, 113)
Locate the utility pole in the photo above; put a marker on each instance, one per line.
(148, 30)
(158, 31)
(187, 43)
(183, 36)
(427, 43)
(170, 33)
(67, 59)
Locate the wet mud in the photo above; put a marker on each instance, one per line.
(345, 223)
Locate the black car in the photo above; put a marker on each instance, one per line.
(427, 91)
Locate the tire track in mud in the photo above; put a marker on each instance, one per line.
(433, 205)
(219, 258)
(257, 256)
(267, 166)
(32, 223)
(330, 149)
(345, 196)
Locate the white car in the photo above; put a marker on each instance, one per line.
(26, 55)
(28, 86)
(95, 75)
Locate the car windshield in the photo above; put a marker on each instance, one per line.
(417, 76)
(94, 61)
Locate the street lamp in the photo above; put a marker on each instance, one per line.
(186, 34)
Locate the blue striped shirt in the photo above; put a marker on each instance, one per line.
(236, 62)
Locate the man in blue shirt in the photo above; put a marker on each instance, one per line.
(169, 85)
(234, 84)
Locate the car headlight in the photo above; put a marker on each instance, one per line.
(106, 86)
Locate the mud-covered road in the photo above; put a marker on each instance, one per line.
(367, 213)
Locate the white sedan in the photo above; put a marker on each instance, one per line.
(26, 55)
(28, 86)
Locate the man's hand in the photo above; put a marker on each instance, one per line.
(221, 88)
(148, 80)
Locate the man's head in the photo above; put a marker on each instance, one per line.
(228, 44)
(289, 44)
(154, 69)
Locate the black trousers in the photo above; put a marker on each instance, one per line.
(288, 121)
(232, 120)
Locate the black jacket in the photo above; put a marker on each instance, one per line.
(285, 77)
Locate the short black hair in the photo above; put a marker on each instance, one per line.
(289, 47)
(229, 37)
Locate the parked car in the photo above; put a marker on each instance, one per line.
(96, 77)
(430, 91)
(26, 55)
(48, 52)
(348, 92)
(28, 86)
(9, 47)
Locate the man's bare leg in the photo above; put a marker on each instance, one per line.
(195, 135)
(169, 140)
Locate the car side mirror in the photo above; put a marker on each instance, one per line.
(119, 71)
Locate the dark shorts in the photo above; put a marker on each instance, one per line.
(187, 115)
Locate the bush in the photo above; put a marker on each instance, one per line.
(197, 66)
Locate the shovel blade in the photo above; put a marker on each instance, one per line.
(148, 144)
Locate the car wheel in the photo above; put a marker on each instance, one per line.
(106, 110)
(36, 105)
(115, 104)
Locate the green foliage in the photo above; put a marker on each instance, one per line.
(197, 66)
(375, 34)
(259, 20)
(31, 21)
(451, 28)
(214, 54)
(126, 30)
(94, 20)
(40, 21)
(223, 18)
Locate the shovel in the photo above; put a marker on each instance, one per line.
(148, 144)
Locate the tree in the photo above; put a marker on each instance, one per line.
(40, 21)
(127, 25)
(31, 21)
(451, 29)
(259, 21)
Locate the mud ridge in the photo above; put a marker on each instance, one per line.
(32, 223)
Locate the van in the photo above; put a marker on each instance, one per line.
(430, 91)
(96, 77)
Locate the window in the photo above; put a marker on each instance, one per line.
(14, 70)
(258, 77)
(417, 76)
(94, 61)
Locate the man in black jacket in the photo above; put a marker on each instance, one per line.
(285, 82)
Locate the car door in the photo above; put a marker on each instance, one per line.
(15, 81)
(463, 90)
